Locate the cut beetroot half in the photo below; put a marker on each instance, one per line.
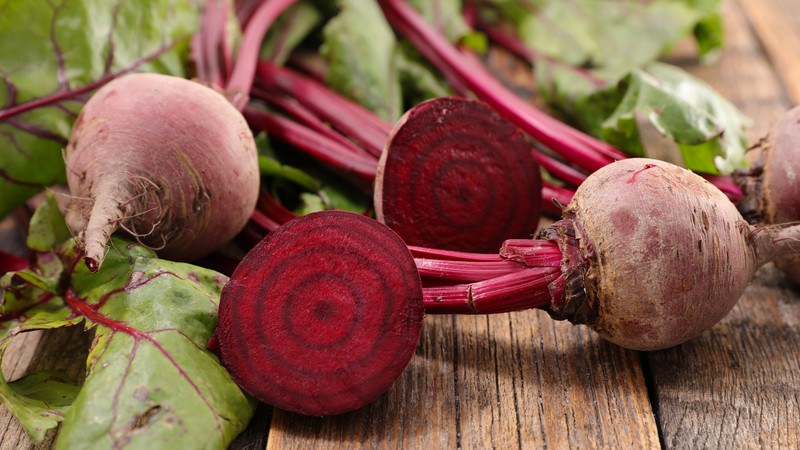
(457, 176)
(323, 315)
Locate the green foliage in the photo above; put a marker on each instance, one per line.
(150, 381)
(359, 47)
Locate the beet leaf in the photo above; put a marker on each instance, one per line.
(52, 57)
(359, 47)
(612, 35)
(289, 30)
(707, 131)
(150, 381)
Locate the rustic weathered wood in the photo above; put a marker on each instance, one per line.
(738, 385)
(504, 381)
(776, 23)
(64, 349)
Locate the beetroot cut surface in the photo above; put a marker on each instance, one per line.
(457, 176)
(323, 315)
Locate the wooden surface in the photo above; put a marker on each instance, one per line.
(524, 381)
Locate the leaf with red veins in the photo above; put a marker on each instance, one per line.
(150, 381)
(53, 54)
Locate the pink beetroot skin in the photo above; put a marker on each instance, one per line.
(455, 175)
(164, 158)
(323, 315)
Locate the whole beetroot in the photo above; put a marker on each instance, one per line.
(655, 254)
(166, 159)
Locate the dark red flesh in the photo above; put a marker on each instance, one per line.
(323, 315)
(457, 176)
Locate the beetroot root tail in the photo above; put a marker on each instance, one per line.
(104, 219)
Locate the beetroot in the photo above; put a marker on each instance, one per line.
(654, 254)
(772, 185)
(328, 320)
(164, 158)
(455, 175)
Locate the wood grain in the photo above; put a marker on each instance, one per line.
(64, 349)
(738, 385)
(776, 23)
(506, 381)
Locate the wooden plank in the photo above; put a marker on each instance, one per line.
(64, 349)
(511, 380)
(738, 385)
(776, 24)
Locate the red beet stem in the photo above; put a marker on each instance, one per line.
(465, 271)
(313, 143)
(518, 48)
(516, 291)
(266, 222)
(272, 208)
(10, 262)
(450, 255)
(532, 252)
(207, 41)
(558, 169)
(352, 119)
(238, 86)
(306, 117)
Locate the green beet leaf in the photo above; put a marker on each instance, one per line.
(445, 16)
(53, 54)
(614, 36)
(289, 30)
(359, 47)
(40, 400)
(707, 131)
(150, 382)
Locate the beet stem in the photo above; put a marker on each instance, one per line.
(532, 252)
(521, 290)
(238, 86)
(313, 143)
(306, 117)
(451, 255)
(465, 271)
(353, 120)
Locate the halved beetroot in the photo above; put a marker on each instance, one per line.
(457, 176)
(323, 315)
